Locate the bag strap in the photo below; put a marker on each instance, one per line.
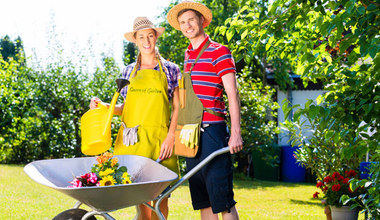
(213, 112)
(199, 55)
(191, 69)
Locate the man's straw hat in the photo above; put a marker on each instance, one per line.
(142, 23)
(201, 8)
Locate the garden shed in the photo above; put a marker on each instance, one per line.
(290, 171)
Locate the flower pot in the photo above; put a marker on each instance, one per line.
(343, 213)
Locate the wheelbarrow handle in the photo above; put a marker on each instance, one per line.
(195, 170)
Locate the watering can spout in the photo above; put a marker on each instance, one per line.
(121, 83)
(96, 125)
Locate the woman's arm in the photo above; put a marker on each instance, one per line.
(168, 144)
(94, 104)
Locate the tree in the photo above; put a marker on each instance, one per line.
(129, 52)
(335, 42)
(10, 49)
(41, 108)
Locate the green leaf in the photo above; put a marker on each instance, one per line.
(319, 99)
(373, 51)
(344, 44)
(297, 114)
(324, 28)
(363, 49)
(313, 111)
(371, 7)
(361, 10)
(244, 8)
(244, 34)
(368, 108)
(329, 134)
(328, 58)
(230, 34)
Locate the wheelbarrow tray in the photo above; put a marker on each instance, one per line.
(149, 181)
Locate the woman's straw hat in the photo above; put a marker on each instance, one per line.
(142, 23)
(201, 8)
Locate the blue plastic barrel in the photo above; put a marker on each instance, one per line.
(291, 171)
(365, 168)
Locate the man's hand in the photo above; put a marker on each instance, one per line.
(235, 143)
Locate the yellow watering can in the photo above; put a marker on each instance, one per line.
(96, 125)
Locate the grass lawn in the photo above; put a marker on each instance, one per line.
(22, 198)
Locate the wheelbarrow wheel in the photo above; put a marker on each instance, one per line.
(72, 214)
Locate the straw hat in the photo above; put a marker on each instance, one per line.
(142, 23)
(201, 8)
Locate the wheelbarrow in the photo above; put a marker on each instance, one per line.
(151, 182)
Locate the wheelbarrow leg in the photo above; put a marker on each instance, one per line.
(137, 213)
(76, 206)
(155, 209)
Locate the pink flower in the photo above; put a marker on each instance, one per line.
(92, 178)
(351, 173)
(76, 183)
(340, 177)
(345, 180)
(335, 187)
(320, 184)
(336, 176)
(327, 179)
(315, 195)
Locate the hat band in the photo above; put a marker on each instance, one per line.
(144, 27)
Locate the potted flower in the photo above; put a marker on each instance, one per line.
(106, 172)
(334, 187)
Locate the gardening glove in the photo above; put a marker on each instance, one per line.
(129, 135)
(189, 135)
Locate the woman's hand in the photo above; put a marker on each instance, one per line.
(94, 102)
(167, 147)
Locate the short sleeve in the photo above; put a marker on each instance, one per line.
(126, 74)
(223, 62)
(177, 74)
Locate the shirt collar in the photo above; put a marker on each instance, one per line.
(190, 47)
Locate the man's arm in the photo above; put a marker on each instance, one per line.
(236, 142)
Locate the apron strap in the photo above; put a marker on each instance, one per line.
(159, 63)
(134, 68)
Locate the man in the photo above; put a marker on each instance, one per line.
(211, 188)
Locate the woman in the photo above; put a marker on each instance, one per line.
(145, 128)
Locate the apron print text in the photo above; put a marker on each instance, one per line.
(145, 90)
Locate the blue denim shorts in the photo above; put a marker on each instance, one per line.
(212, 185)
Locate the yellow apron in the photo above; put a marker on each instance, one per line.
(147, 105)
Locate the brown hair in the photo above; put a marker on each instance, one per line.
(158, 55)
(188, 9)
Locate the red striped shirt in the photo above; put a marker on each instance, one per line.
(215, 62)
